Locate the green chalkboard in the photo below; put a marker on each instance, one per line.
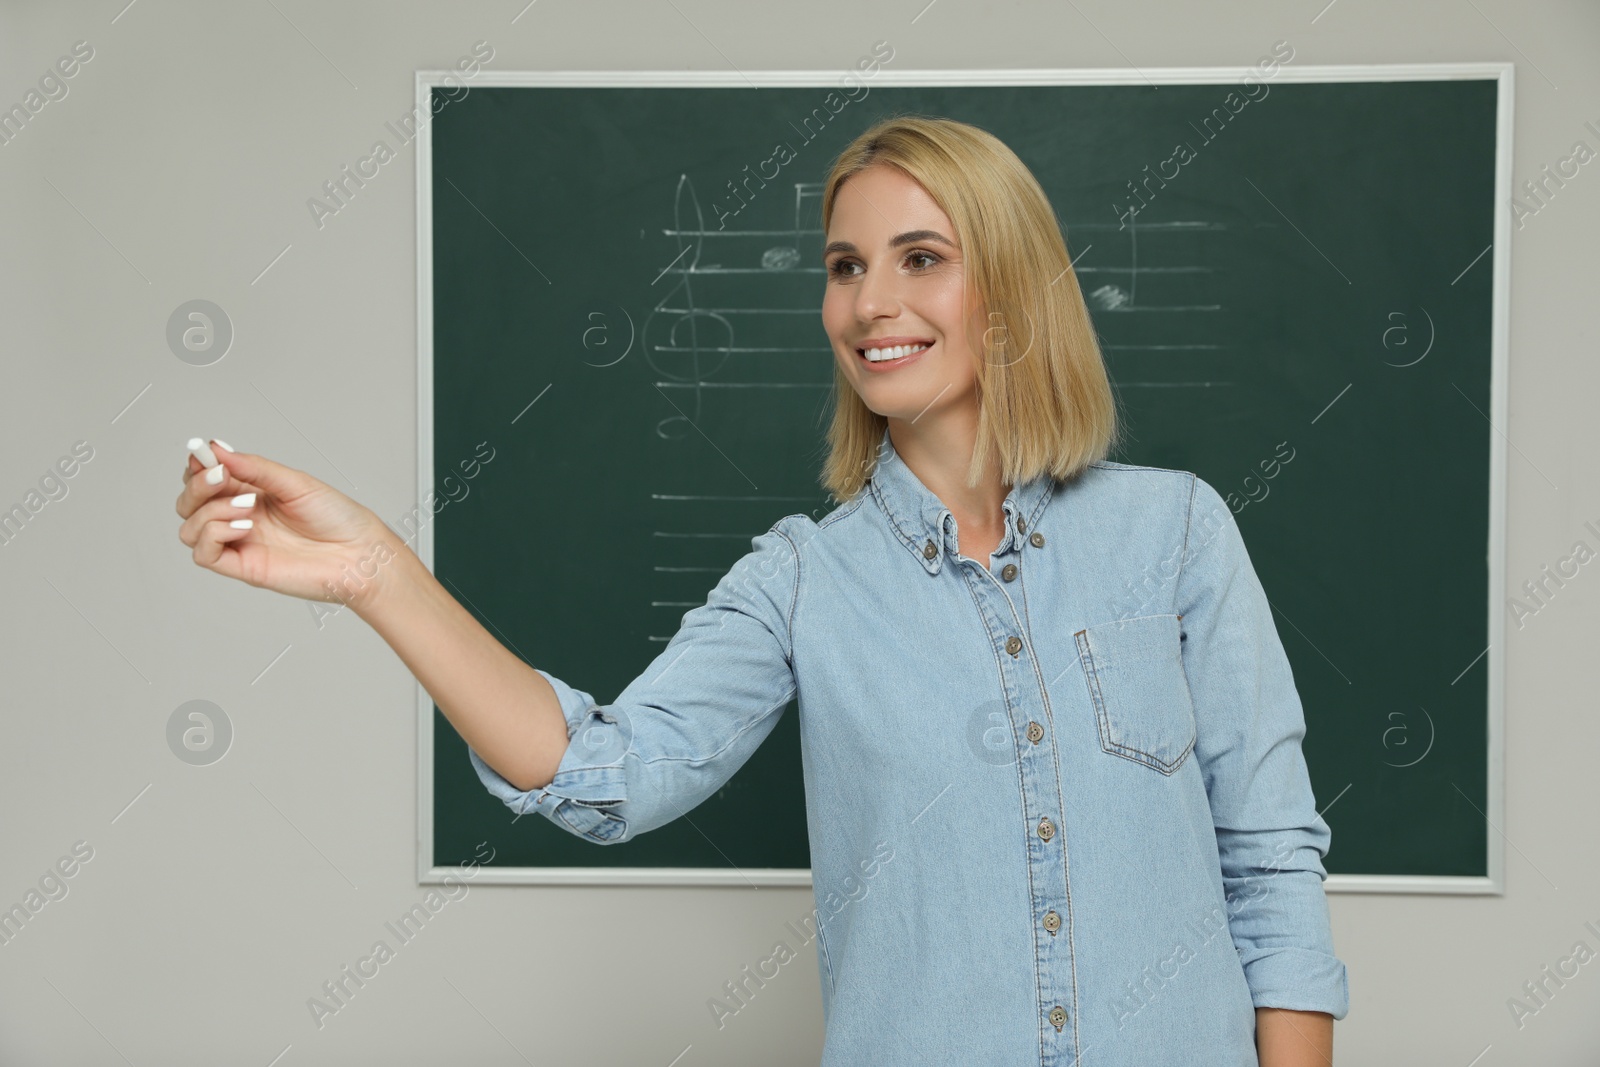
(1297, 298)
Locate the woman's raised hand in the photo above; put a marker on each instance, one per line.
(304, 538)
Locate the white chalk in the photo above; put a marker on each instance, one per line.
(202, 452)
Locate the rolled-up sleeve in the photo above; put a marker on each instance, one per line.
(681, 729)
(1249, 724)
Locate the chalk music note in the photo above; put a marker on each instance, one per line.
(787, 257)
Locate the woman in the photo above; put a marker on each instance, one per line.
(1056, 797)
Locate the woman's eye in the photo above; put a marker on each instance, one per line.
(917, 259)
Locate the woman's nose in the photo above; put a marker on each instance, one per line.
(878, 295)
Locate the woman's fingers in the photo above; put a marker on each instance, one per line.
(197, 489)
(237, 508)
(211, 544)
(213, 521)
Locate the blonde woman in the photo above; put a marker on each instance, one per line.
(1057, 802)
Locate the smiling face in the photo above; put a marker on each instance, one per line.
(896, 279)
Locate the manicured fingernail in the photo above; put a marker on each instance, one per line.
(242, 524)
(224, 444)
(215, 475)
(244, 500)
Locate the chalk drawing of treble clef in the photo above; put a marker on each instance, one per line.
(683, 343)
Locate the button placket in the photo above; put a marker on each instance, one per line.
(1039, 780)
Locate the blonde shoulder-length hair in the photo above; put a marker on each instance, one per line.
(1045, 400)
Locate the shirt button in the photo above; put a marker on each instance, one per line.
(1052, 922)
(1035, 732)
(1009, 571)
(1037, 540)
(1013, 644)
(1022, 524)
(1047, 829)
(928, 551)
(1058, 1017)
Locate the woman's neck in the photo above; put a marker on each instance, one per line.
(940, 454)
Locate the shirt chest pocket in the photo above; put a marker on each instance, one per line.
(1134, 670)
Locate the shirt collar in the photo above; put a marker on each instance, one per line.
(920, 519)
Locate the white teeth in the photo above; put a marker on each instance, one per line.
(878, 355)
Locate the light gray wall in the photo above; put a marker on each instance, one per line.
(219, 899)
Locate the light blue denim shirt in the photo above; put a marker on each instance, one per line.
(1057, 803)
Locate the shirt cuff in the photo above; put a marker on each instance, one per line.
(1300, 979)
(589, 783)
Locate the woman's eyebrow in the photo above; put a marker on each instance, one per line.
(907, 238)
